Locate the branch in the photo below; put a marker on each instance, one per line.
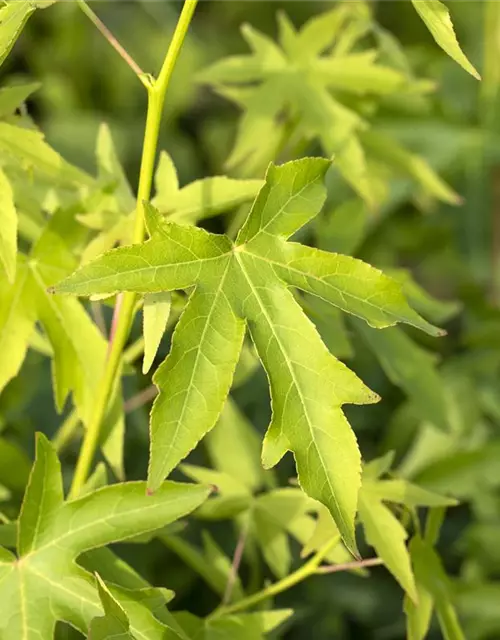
(350, 566)
(122, 52)
(157, 90)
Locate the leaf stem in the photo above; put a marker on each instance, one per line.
(122, 52)
(124, 314)
(305, 571)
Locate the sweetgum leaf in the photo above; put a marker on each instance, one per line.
(43, 584)
(387, 535)
(310, 82)
(437, 18)
(240, 284)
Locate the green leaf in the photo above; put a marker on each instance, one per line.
(387, 535)
(437, 310)
(12, 97)
(45, 584)
(27, 150)
(300, 85)
(17, 320)
(243, 626)
(411, 368)
(430, 574)
(244, 283)
(111, 171)
(409, 494)
(114, 624)
(325, 531)
(156, 311)
(13, 17)
(383, 148)
(437, 18)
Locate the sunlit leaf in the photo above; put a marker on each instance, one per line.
(437, 18)
(245, 281)
(48, 585)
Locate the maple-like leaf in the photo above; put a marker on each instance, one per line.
(246, 284)
(312, 76)
(43, 584)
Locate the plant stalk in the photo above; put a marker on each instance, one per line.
(124, 313)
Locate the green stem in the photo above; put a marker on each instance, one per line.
(124, 312)
(122, 52)
(305, 571)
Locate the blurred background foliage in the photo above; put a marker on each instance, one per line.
(452, 252)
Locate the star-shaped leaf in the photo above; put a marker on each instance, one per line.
(246, 283)
(312, 77)
(43, 584)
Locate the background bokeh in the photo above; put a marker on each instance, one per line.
(454, 252)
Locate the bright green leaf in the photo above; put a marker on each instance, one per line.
(45, 584)
(233, 283)
(8, 228)
(387, 535)
(437, 18)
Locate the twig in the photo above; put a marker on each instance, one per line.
(140, 399)
(350, 566)
(238, 555)
(122, 52)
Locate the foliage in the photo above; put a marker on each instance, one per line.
(323, 233)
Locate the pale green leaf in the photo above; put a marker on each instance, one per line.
(384, 148)
(324, 532)
(321, 30)
(358, 73)
(208, 197)
(233, 284)
(12, 97)
(437, 18)
(17, 319)
(430, 574)
(411, 368)
(27, 149)
(156, 311)
(13, 17)
(409, 494)
(111, 172)
(437, 310)
(48, 585)
(166, 182)
(243, 626)
(387, 535)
